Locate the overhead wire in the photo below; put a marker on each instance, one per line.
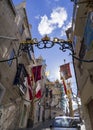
(82, 60)
(9, 59)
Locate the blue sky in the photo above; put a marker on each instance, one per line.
(51, 17)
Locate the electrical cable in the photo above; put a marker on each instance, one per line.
(9, 59)
(82, 60)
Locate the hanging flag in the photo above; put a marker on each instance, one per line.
(65, 88)
(36, 72)
(29, 87)
(38, 90)
(20, 76)
(65, 70)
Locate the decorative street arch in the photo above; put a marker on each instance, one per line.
(46, 42)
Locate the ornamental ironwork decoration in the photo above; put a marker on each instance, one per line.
(46, 42)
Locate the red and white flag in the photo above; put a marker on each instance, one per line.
(29, 87)
(36, 72)
(38, 90)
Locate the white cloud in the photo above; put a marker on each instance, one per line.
(58, 16)
(37, 17)
(45, 26)
(57, 19)
(65, 27)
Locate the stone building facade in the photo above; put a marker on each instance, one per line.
(14, 110)
(82, 37)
